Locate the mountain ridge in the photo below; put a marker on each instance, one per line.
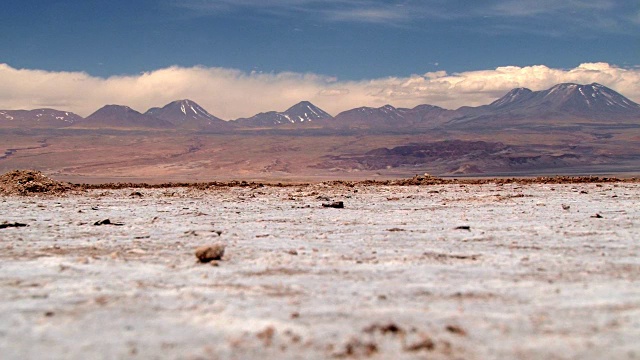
(121, 116)
(563, 104)
(39, 118)
(302, 112)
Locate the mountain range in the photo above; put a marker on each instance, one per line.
(38, 118)
(565, 104)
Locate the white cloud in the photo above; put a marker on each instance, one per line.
(364, 11)
(370, 15)
(576, 17)
(526, 8)
(230, 93)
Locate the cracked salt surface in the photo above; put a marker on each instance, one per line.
(389, 276)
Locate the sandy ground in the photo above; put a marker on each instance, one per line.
(536, 276)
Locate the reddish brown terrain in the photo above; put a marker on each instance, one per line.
(182, 156)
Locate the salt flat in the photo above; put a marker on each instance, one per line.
(395, 274)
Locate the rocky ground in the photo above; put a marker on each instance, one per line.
(440, 271)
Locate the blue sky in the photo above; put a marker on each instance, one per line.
(349, 39)
(240, 57)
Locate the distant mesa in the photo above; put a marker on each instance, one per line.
(119, 116)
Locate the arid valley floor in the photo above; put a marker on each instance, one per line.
(282, 155)
(453, 271)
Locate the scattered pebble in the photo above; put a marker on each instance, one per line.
(455, 329)
(357, 348)
(426, 343)
(463, 227)
(106, 222)
(209, 253)
(266, 335)
(8, 225)
(389, 328)
(335, 204)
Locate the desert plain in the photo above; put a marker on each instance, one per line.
(443, 270)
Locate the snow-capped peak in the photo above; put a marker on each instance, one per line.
(183, 111)
(513, 96)
(304, 111)
(589, 101)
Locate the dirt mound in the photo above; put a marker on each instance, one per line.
(465, 169)
(30, 182)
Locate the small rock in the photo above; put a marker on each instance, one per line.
(136, 194)
(292, 252)
(335, 204)
(208, 253)
(566, 207)
(8, 225)
(596, 216)
(455, 329)
(266, 335)
(426, 343)
(389, 328)
(106, 222)
(463, 227)
(357, 348)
